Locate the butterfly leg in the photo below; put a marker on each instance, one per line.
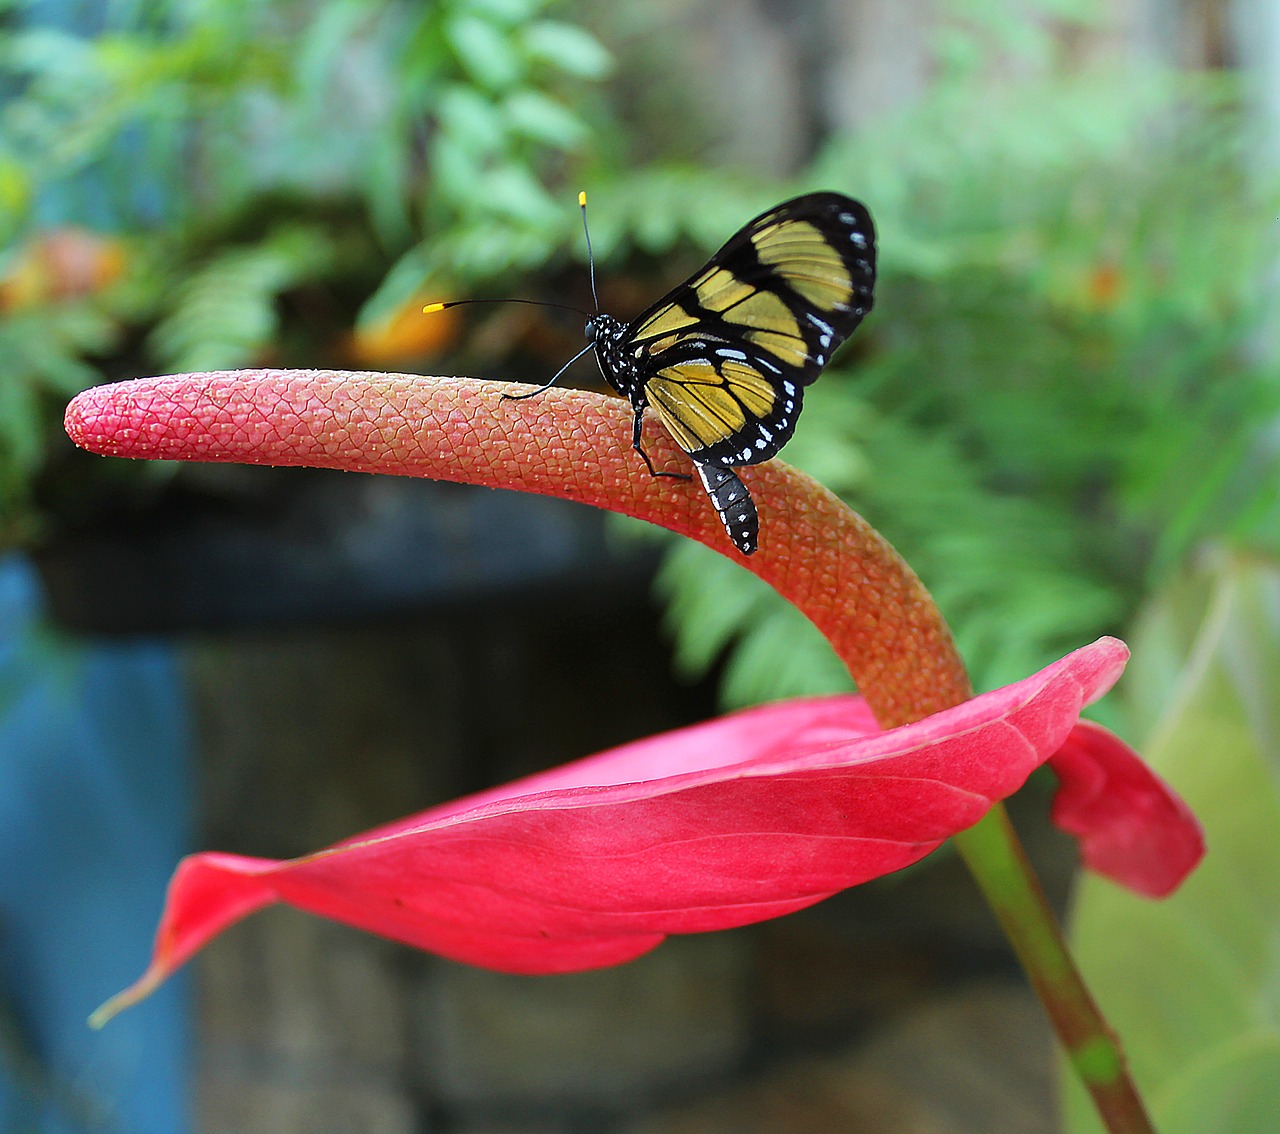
(551, 382)
(636, 427)
(524, 397)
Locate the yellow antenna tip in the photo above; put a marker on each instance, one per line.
(432, 308)
(582, 199)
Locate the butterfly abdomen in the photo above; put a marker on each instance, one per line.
(733, 504)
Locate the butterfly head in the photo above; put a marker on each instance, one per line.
(602, 328)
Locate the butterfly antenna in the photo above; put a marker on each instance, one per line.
(591, 260)
(432, 308)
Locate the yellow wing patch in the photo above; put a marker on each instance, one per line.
(718, 290)
(765, 310)
(722, 360)
(702, 407)
(673, 317)
(722, 292)
(805, 259)
(790, 350)
(751, 388)
(697, 417)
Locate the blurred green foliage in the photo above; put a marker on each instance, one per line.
(1204, 686)
(1069, 381)
(248, 168)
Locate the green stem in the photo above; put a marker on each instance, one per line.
(999, 864)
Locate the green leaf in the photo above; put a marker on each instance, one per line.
(474, 122)
(567, 48)
(224, 313)
(784, 655)
(713, 602)
(485, 52)
(19, 428)
(708, 599)
(335, 25)
(401, 283)
(1192, 984)
(509, 12)
(514, 192)
(456, 170)
(16, 191)
(541, 118)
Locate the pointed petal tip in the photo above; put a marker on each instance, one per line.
(143, 987)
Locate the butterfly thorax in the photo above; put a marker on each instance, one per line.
(618, 367)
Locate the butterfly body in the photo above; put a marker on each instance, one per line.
(723, 359)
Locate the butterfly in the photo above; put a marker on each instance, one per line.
(723, 359)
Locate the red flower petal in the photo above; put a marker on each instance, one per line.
(729, 822)
(1131, 825)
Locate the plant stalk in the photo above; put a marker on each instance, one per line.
(992, 851)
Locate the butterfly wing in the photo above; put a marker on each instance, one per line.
(724, 357)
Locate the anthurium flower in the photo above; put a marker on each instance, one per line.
(723, 824)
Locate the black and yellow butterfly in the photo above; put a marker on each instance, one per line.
(723, 359)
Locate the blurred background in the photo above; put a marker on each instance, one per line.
(1063, 411)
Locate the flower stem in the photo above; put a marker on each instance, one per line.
(995, 857)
